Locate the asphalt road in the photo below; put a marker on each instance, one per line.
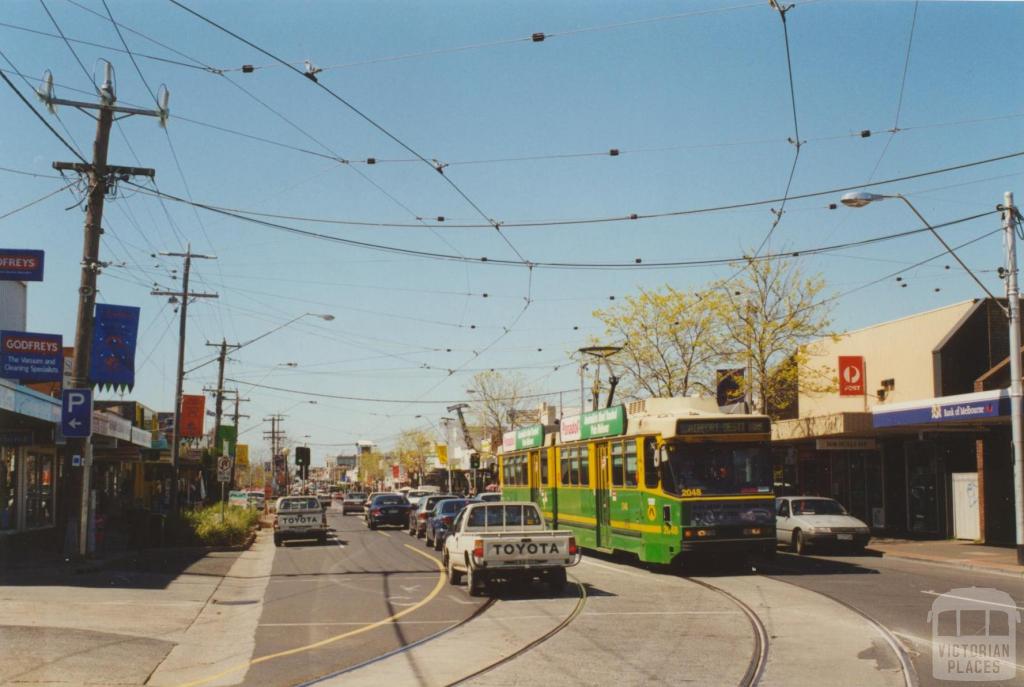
(323, 602)
(898, 594)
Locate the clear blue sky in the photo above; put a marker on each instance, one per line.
(699, 105)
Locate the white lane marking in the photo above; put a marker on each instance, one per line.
(922, 640)
(966, 598)
(391, 600)
(409, 589)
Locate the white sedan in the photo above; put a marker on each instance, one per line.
(803, 521)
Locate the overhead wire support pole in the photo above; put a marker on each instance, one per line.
(1010, 219)
(185, 295)
(101, 178)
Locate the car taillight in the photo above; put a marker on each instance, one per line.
(422, 516)
(375, 511)
(447, 520)
(478, 548)
(572, 546)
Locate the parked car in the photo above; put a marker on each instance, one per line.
(492, 542)
(489, 496)
(372, 495)
(418, 517)
(257, 500)
(804, 521)
(387, 509)
(440, 519)
(353, 501)
(299, 517)
(415, 495)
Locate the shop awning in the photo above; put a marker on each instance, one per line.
(982, 407)
(24, 401)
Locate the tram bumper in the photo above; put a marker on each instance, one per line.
(754, 545)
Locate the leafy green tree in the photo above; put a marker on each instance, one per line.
(671, 341)
(412, 448)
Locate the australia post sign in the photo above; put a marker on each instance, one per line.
(31, 357)
(851, 375)
(21, 265)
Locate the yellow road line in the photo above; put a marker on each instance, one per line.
(330, 640)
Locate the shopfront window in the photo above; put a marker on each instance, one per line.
(39, 502)
(8, 489)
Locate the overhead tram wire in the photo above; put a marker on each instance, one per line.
(89, 77)
(333, 155)
(604, 220)
(339, 397)
(797, 143)
(312, 77)
(536, 37)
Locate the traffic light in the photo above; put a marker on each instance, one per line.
(302, 455)
(474, 461)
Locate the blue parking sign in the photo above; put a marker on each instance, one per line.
(76, 413)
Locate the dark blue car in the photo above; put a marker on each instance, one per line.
(440, 520)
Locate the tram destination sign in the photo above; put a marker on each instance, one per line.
(523, 438)
(606, 422)
(688, 427)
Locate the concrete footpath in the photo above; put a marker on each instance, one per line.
(165, 619)
(954, 553)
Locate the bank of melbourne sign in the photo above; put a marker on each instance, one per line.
(31, 357)
(963, 408)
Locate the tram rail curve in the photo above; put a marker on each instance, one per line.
(759, 656)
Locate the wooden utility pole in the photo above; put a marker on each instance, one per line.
(101, 177)
(185, 295)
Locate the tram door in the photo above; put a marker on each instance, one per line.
(603, 500)
(535, 476)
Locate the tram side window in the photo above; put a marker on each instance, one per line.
(521, 470)
(584, 478)
(631, 463)
(544, 468)
(574, 466)
(650, 467)
(563, 461)
(617, 464)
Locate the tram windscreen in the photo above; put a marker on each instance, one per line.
(717, 468)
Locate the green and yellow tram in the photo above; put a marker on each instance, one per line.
(663, 478)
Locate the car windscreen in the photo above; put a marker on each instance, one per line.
(356, 497)
(389, 501)
(817, 507)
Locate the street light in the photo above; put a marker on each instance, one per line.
(859, 199)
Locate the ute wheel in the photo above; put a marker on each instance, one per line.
(371, 524)
(475, 581)
(799, 543)
(322, 539)
(454, 576)
(438, 544)
(428, 541)
(277, 540)
(557, 580)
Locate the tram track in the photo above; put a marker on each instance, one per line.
(577, 609)
(759, 656)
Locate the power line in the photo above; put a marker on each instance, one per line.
(39, 116)
(85, 71)
(311, 75)
(37, 200)
(339, 397)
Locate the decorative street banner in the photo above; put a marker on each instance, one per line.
(242, 455)
(31, 357)
(606, 422)
(524, 438)
(193, 409)
(729, 386)
(21, 265)
(226, 440)
(115, 329)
